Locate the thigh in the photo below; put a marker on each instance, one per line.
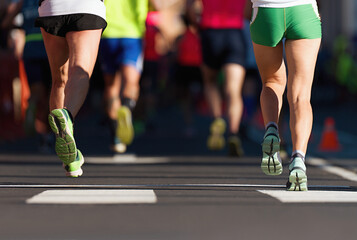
(234, 78)
(83, 48)
(57, 51)
(301, 58)
(270, 62)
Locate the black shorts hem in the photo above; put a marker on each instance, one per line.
(61, 25)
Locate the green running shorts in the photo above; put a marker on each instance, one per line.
(270, 25)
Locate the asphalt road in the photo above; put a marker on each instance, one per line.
(169, 186)
(194, 198)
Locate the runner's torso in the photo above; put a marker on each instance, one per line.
(65, 7)
(280, 3)
(223, 14)
(126, 18)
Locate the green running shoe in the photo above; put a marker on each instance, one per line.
(74, 169)
(125, 129)
(271, 161)
(216, 139)
(62, 126)
(297, 177)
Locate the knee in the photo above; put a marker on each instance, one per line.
(298, 99)
(274, 84)
(274, 81)
(233, 94)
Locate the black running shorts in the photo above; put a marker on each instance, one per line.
(61, 25)
(222, 46)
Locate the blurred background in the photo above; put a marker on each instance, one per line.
(172, 117)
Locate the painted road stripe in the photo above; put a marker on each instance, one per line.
(90, 196)
(312, 196)
(126, 159)
(167, 186)
(324, 165)
(121, 159)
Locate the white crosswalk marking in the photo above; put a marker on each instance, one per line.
(91, 196)
(312, 196)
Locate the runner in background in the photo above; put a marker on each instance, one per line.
(38, 73)
(187, 73)
(223, 48)
(121, 57)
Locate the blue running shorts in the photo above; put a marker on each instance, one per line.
(115, 52)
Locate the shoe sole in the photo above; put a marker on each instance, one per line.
(76, 173)
(125, 131)
(216, 139)
(65, 144)
(215, 142)
(297, 181)
(271, 164)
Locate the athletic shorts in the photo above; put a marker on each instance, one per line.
(222, 46)
(270, 25)
(38, 71)
(62, 24)
(115, 52)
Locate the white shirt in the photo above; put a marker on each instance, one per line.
(281, 3)
(65, 7)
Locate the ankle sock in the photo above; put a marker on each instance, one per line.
(271, 124)
(129, 102)
(298, 153)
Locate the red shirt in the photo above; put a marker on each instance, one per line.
(150, 53)
(189, 49)
(220, 14)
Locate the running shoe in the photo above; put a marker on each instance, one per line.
(62, 126)
(235, 146)
(216, 139)
(297, 177)
(271, 161)
(125, 129)
(74, 169)
(117, 146)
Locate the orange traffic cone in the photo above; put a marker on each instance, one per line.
(329, 139)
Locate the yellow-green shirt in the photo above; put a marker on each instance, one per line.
(125, 18)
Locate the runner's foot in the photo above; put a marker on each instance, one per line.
(125, 130)
(216, 139)
(297, 177)
(74, 169)
(271, 161)
(61, 124)
(235, 146)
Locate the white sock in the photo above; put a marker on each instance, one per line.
(299, 152)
